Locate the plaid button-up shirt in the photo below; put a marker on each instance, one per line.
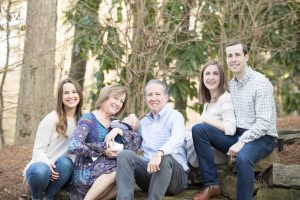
(254, 105)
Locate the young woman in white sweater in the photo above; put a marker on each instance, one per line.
(218, 108)
(217, 119)
(51, 167)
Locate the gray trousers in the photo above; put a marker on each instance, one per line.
(170, 179)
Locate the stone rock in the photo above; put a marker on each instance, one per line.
(63, 194)
(277, 194)
(290, 138)
(286, 176)
(184, 195)
(223, 171)
(267, 161)
(282, 133)
(229, 187)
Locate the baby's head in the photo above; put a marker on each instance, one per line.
(133, 121)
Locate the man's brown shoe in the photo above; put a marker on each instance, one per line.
(208, 192)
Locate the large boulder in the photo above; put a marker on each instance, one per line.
(277, 194)
(229, 187)
(286, 176)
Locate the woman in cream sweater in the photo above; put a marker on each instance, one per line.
(51, 167)
(218, 108)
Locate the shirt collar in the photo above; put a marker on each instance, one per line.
(161, 113)
(244, 79)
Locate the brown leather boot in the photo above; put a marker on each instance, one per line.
(208, 192)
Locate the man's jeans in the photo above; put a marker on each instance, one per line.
(38, 177)
(206, 136)
(170, 179)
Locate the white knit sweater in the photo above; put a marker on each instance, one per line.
(48, 146)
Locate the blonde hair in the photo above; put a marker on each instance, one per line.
(111, 90)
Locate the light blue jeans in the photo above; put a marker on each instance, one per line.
(206, 136)
(38, 177)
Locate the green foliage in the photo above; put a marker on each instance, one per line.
(291, 99)
(90, 39)
(160, 44)
(198, 107)
(84, 16)
(271, 31)
(99, 76)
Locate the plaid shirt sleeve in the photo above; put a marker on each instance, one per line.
(263, 111)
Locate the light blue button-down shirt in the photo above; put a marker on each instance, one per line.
(165, 131)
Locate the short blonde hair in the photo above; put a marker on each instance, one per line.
(111, 90)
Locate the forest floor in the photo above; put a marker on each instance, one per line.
(14, 158)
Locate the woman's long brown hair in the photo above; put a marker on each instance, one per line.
(61, 125)
(204, 95)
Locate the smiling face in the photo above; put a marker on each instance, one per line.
(236, 60)
(211, 78)
(113, 104)
(70, 96)
(156, 98)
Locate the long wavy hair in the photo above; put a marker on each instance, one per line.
(204, 95)
(61, 124)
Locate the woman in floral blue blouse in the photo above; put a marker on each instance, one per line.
(95, 163)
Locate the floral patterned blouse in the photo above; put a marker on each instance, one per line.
(87, 143)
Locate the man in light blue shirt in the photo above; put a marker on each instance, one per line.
(163, 167)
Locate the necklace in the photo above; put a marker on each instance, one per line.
(213, 99)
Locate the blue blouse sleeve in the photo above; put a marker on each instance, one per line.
(77, 144)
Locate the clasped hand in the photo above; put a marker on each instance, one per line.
(109, 140)
(110, 137)
(153, 165)
(110, 153)
(54, 174)
(234, 149)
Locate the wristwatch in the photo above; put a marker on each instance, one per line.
(159, 153)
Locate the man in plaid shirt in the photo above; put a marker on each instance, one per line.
(254, 106)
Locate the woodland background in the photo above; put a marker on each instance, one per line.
(101, 42)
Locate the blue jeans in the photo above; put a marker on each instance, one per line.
(38, 177)
(206, 136)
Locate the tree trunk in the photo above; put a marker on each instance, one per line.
(78, 64)
(38, 70)
(8, 18)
